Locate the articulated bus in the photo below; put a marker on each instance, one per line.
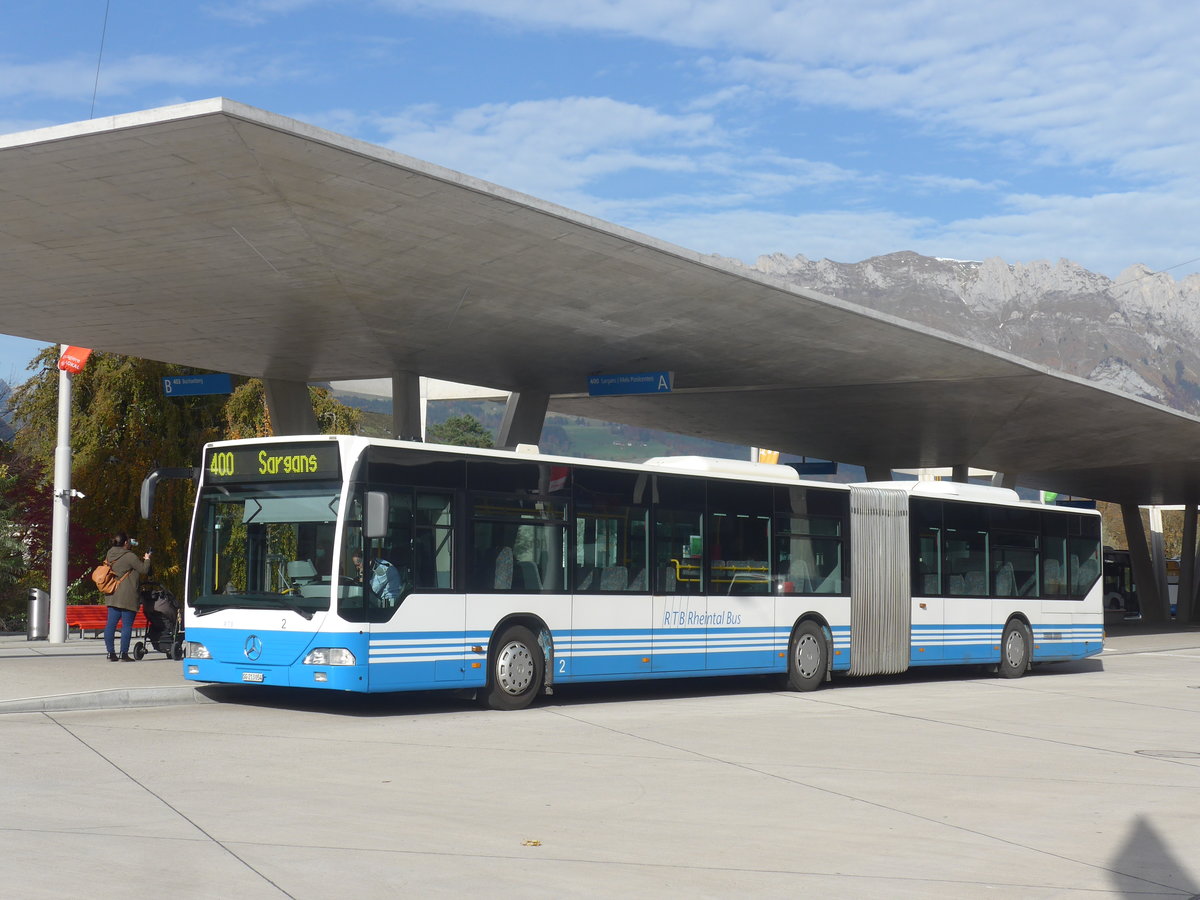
(352, 564)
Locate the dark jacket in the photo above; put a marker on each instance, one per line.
(124, 560)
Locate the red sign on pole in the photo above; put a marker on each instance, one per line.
(74, 359)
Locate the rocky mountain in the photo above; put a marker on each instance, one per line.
(1138, 333)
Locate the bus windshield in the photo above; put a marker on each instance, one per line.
(267, 546)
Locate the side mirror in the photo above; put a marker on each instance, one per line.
(375, 522)
(150, 484)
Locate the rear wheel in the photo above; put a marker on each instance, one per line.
(808, 657)
(1016, 648)
(516, 670)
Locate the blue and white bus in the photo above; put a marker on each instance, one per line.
(353, 564)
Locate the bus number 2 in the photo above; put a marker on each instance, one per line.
(562, 667)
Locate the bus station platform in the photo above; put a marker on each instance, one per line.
(1077, 780)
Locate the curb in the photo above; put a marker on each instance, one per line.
(120, 698)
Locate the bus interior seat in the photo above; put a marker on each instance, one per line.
(669, 581)
(638, 581)
(1006, 581)
(1085, 573)
(584, 577)
(301, 571)
(976, 584)
(614, 578)
(502, 569)
(1052, 571)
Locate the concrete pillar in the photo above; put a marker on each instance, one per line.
(524, 416)
(879, 473)
(1185, 596)
(961, 474)
(1149, 597)
(408, 419)
(1195, 619)
(290, 407)
(1004, 480)
(1158, 558)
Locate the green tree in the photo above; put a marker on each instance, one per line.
(463, 431)
(123, 427)
(247, 416)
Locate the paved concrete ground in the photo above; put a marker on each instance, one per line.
(1080, 780)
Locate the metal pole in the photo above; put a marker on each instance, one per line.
(62, 512)
(1159, 553)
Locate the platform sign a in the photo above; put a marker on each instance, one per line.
(635, 383)
(195, 385)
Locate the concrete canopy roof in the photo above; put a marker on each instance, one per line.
(227, 238)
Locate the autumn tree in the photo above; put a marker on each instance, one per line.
(463, 431)
(247, 416)
(122, 427)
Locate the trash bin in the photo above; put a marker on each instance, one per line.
(38, 628)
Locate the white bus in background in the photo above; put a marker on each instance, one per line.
(511, 573)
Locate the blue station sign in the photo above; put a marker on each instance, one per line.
(637, 383)
(195, 385)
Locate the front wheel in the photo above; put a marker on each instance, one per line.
(516, 670)
(1015, 650)
(139, 650)
(808, 657)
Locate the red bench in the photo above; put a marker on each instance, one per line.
(94, 618)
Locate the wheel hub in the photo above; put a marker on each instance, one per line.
(514, 668)
(808, 655)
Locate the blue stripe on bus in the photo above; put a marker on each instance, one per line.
(433, 659)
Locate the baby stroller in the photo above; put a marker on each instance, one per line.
(163, 632)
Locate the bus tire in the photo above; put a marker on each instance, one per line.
(1016, 650)
(516, 669)
(808, 657)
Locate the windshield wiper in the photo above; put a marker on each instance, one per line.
(253, 601)
(296, 608)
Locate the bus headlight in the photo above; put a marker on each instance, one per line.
(330, 656)
(195, 650)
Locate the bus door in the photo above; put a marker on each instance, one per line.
(681, 609)
(417, 624)
(741, 606)
(928, 578)
(610, 607)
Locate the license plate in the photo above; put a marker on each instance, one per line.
(252, 676)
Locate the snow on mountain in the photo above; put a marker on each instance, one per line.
(1134, 334)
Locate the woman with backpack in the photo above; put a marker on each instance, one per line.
(123, 602)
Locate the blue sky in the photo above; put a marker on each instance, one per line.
(1023, 129)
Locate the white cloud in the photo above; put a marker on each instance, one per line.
(551, 146)
(74, 79)
(1085, 82)
(256, 12)
(563, 150)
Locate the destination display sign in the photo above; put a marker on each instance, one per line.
(634, 383)
(273, 462)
